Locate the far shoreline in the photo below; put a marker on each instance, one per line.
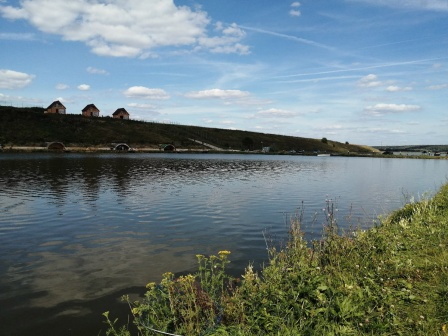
(154, 150)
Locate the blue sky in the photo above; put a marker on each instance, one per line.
(364, 71)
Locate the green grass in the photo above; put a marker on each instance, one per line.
(389, 280)
(415, 148)
(31, 127)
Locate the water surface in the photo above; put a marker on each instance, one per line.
(79, 230)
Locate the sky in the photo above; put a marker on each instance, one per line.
(372, 72)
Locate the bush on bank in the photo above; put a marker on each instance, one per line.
(389, 280)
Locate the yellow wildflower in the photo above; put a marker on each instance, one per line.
(223, 253)
(150, 285)
(168, 275)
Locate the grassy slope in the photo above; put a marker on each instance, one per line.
(389, 280)
(415, 148)
(30, 126)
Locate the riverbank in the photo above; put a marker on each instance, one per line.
(391, 279)
(92, 149)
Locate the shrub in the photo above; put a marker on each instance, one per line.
(389, 280)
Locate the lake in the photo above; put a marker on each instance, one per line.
(79, 230)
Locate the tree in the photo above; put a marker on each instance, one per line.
(324, 140)
(248, 143)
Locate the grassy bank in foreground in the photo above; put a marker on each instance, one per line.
(389, 280)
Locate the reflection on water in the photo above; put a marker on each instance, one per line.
(78, 230)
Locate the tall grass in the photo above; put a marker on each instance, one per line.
(389, 280)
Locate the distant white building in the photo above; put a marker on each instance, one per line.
(266, 149)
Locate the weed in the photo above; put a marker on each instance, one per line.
(391, 280)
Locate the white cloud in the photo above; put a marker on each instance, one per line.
(294, 11)
(61, 99)
(96, 71)
(331, 128)
(146, 93)
(84, 87)
(382, 109)
(290, 37)
(227, 122)
(276, 113)
(232, 30)
(230, 49)
(13, 13)
(17, 36)
(437, 5)
(314, 110)
(132, 28)
(369, 81)
(11, 80)
(141, 106)
(393, 88)
(62, 86)
(25, 101)
(438, 87)
(217, 94)
(382, 131)
(226, 43)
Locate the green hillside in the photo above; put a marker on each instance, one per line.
(32, 127)
(414, 148)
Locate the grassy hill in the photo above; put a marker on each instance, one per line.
(415, 148)
(32, 127)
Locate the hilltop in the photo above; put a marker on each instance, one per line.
(32, 127)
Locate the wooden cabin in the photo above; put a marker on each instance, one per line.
(121, 113)
(56, 107)
(90, 111)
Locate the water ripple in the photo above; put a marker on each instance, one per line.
(102, 223)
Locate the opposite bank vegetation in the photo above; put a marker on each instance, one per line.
(389, 280)
(33, 128)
